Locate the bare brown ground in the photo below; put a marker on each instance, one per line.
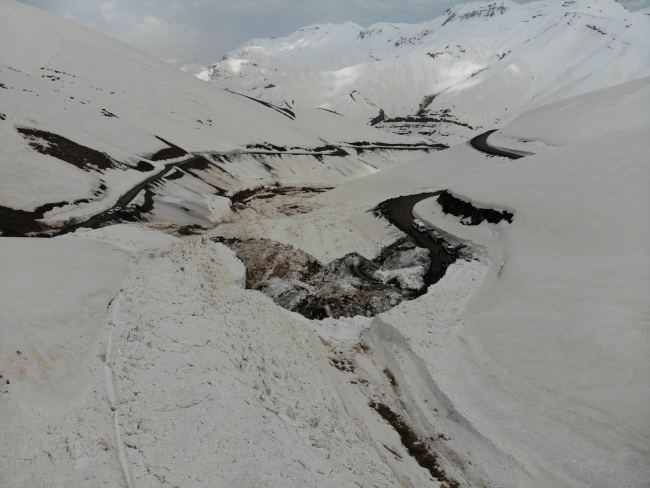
(414, 445)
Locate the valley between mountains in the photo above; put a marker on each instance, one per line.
(215, 281)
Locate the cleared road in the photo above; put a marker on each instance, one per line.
(399, 211)
(480, 144)
(94, 221)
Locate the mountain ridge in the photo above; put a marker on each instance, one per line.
(456, 64)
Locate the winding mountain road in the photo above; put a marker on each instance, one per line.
(124, 200)
(480, 144)
(399, 212)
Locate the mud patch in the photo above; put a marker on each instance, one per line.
(346, 287)
(469, 214)
(66, 150)
(415, 446)
(274, 201)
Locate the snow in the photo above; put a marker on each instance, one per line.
(407, 277)
(190, 198)
(543, 353)
(132, 238)
(219, 208)
(54, 298)
(234, 265)
(145, 361)
(224, 388)
(335, 128)
(63, 78)
(537, 343)
(485, 62)
(579, 118)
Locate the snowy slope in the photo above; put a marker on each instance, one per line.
(578, 118)
(526, 366)
(511, 365)
(475, 67)
(549, 357)
(63, 79)
(539, 348)
(54, 296)
(542, 345)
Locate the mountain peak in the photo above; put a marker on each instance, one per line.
(477, 10)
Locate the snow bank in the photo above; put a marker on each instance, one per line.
(234, 265)
(219, 207)
(56, 423)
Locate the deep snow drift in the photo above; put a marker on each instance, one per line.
(474, 68)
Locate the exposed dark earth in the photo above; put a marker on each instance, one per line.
(345, 287)
(415, 446)
(21, 223)
(66, 150)
(470, 214)
(354, 285)
(166, 153)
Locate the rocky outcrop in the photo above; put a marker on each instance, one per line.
(470, 214)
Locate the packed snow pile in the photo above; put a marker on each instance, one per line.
(474, 68)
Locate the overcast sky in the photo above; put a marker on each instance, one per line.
(186, 31)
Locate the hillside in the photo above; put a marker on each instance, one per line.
(474, 68)
(199, 288)
(84, 118)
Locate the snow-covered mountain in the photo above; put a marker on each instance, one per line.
(83, 118)
(474, 68)
(196, 346)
